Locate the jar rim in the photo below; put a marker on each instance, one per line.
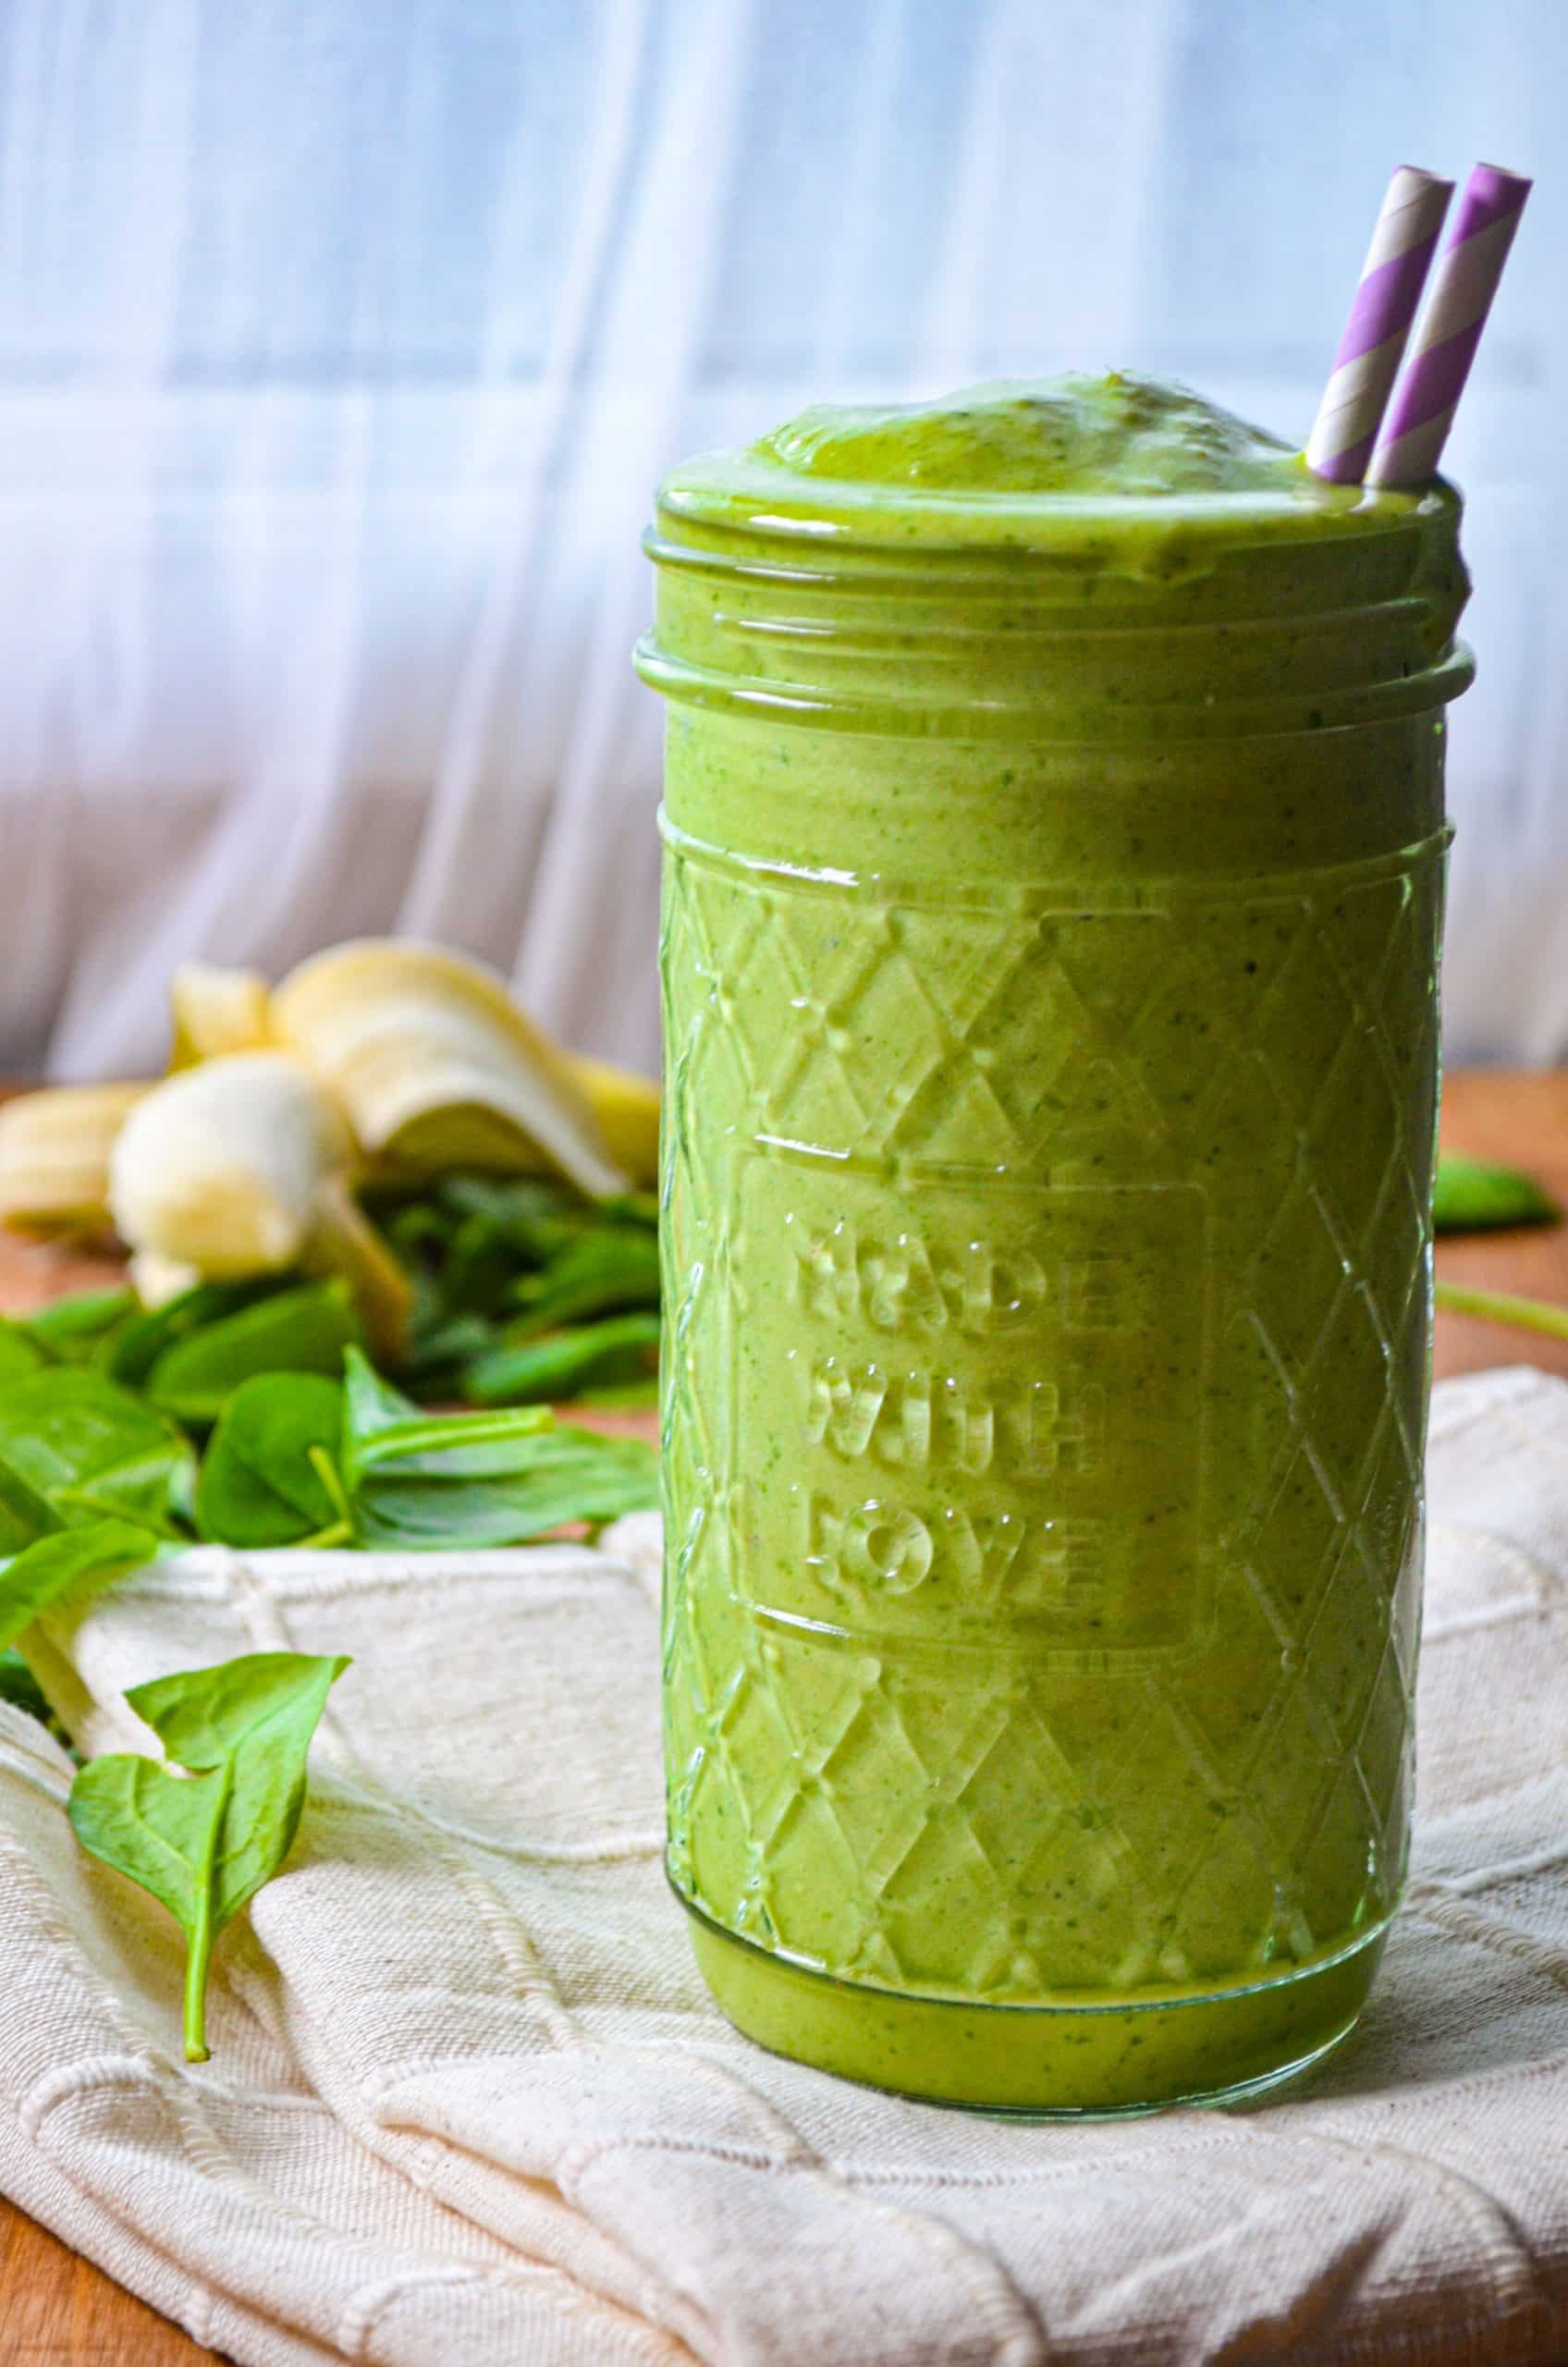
(740, 498)
(1079, 620)
(1126, 723)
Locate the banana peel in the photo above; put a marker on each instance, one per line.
(214, 1010)
(343, 1241)
(627, 1108)
(437, 1067)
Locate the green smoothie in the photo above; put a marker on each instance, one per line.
(1055, 831)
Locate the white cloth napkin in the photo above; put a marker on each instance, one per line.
(467, 2105)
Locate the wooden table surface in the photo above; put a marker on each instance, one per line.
(56, 2311)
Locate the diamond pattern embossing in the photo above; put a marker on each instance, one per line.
(1029, 1812)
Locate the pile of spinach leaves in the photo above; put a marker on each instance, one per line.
(249, 1414)
(525, 1295)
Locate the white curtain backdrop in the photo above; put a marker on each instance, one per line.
(341, 341)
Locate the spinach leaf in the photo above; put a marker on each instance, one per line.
(632, 1208)
(19, 1353)
(604, 1271)
(66, 1563)
(260, 1480)
(421, 1481)
(129, 1355)
(24, 1514)
(440, 1350)
(474, 1230)
(21, 1687)
(481, 1262)
(599, 1355)
(295, 1460)
(204, 1843)
(1475, 1194)
(302, 1330)
(412, 1227)
(569, 1475)
(511, 1203)
(382, 1425)
(89, 1448)
(625, 1396)
(75, 1331)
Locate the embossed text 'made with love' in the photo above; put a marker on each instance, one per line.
(915, 1456)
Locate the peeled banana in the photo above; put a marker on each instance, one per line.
(437, 1067)
(218, 1166)
(55, 1143)
(157, 1280)
(55, 1149)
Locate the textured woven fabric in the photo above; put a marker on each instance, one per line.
(467, 2105)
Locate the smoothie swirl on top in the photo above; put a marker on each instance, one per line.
(1116, 433)
(1115, 475)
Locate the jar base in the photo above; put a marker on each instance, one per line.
(1042, 2062)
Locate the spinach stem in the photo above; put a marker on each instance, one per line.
(338, 1532)
(342, 1531)
(1502, 1307)
(440, 1431)
(200, 1954)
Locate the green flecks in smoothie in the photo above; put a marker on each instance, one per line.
(1040, 1020)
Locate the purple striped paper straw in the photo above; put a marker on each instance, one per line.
(1471, 264)
(1370, 351)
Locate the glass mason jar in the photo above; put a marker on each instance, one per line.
(1052, 913)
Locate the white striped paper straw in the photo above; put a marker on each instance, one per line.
(1392, 280)
(1410, 444)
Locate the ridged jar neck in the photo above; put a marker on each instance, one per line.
(1072, 619)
